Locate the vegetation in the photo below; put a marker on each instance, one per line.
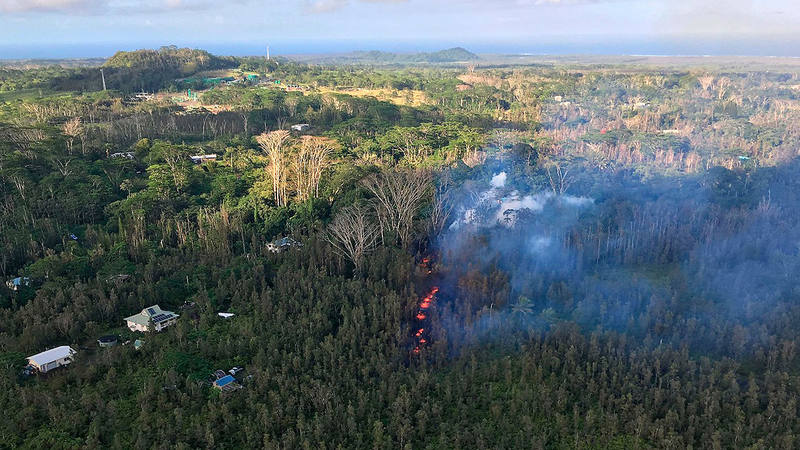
(614, 249)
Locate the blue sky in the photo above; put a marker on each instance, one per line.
(97, 27)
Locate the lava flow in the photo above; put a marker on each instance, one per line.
(422, 313)
(425, 304)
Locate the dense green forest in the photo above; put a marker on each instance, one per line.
(533, 256)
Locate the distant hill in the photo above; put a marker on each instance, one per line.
(179, 61)
(451, 55)
(144, 70)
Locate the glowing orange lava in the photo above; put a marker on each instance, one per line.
(424, 305)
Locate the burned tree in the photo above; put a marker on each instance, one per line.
(353, 234)
(275, 145)
(398, 197)
(559, 177)
(72, 129)
(312, 159)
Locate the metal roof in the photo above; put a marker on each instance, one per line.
(224, 381)
(155, 312)
(54, 354)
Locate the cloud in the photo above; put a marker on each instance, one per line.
(325, 6)
(15, 6)
(84, 7)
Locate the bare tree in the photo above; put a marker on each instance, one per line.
(275, 145)
(706, 82)
(72, 129)
(353, 234)
(559, 177)
(398, 197)
(62, 165)
(441, 209)
(311, 160)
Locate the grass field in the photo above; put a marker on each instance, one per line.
(403, 98)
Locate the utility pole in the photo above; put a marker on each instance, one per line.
(102, 75)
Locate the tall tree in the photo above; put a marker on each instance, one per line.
(275, 145)
(72, 129)
(398, 197)
(353, 234)
(311, 160)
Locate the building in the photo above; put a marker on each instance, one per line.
(18, 283)
(283, 244)
(51, 359)
(199, 159)
(300, 127)
(227, 384)
(155, 316)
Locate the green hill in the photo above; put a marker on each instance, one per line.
(180, 61)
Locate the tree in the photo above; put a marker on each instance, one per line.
(72, 129)
(559, 178)
(398, 197)
(311, 160)
(353, 234)
(274, 145)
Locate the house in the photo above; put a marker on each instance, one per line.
(51, 359)
(282, 244)
(300, 127)
(225, 315)
(199, 159)
(154, 315)
(18, 282)
(227, 384)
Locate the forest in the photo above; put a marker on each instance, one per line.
(460, 255)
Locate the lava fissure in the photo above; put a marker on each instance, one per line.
(424, 306)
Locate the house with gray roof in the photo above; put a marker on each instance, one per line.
(48, 360)
(151, 316)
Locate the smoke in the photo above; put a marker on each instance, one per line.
(690, 261)
(498, 206)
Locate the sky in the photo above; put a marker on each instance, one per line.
(92, 28)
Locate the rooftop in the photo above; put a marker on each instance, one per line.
(54, 354)
(224, 381)
(153, 312)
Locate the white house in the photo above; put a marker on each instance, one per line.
(51, 359)
(159, 318)
(301, 127)
(199, 159)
